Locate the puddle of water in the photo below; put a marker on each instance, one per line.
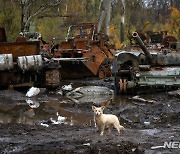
(44, 108)
(33, 111)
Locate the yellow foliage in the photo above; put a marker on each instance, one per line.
(146, 26)
(174, 25)
(175, 14)
(114, 39)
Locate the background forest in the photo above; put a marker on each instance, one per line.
(52, 17)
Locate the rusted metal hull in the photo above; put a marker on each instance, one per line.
(21, 64)
(49, 78)
(74, 68)
(20, 48)
(85, 54)
(135, 69)
(19, 79)
(71, 70)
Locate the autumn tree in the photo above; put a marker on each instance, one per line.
(173, 25)
(53, 17)
(32, 8)
(10, 18)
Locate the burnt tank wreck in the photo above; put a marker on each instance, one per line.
(156, 64)
(87, 53)
(22, 64)
(31, 61)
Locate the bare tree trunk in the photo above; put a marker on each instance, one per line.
(26, 17)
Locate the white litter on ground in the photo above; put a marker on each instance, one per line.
(60, 118)
(67, 87)
(33, 91)
(32, 103)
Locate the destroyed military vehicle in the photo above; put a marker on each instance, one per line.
(21, 64)
(156, 64)
(85, 53)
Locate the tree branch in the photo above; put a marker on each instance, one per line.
(40, 10)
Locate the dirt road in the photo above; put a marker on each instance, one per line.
(27, 129)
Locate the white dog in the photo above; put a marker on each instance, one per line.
(103, 120)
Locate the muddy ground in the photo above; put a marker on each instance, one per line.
(28, 129)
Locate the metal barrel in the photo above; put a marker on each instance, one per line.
(143, 47)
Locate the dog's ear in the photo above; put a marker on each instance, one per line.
(102, 108)
(93, 107)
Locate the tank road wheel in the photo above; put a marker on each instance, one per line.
(125, 85)
(121, 86)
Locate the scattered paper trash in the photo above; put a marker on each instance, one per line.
(157, 147)
(146, 123)
(33, 91)
(86, 144)
(54, 122)
(44, 125)
(60, 118)
(134, 149)
(67, 87)
(33, 104)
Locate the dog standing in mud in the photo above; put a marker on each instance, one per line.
(105, 120)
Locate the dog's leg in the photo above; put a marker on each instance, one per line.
(117, 127)
(109, 129)
(102, 130)
(97, 128)
(95, 125)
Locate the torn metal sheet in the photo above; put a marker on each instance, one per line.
(94, 94)
(85, 53)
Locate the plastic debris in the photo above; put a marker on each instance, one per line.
(157, 147)
(33, 91)
(45, 125)
(134, 149)
(146, 123)
(67, 87)
(33, 104)
(86, 144)
(60, 118)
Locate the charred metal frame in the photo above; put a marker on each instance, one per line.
(148, 69)
(84, 54)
